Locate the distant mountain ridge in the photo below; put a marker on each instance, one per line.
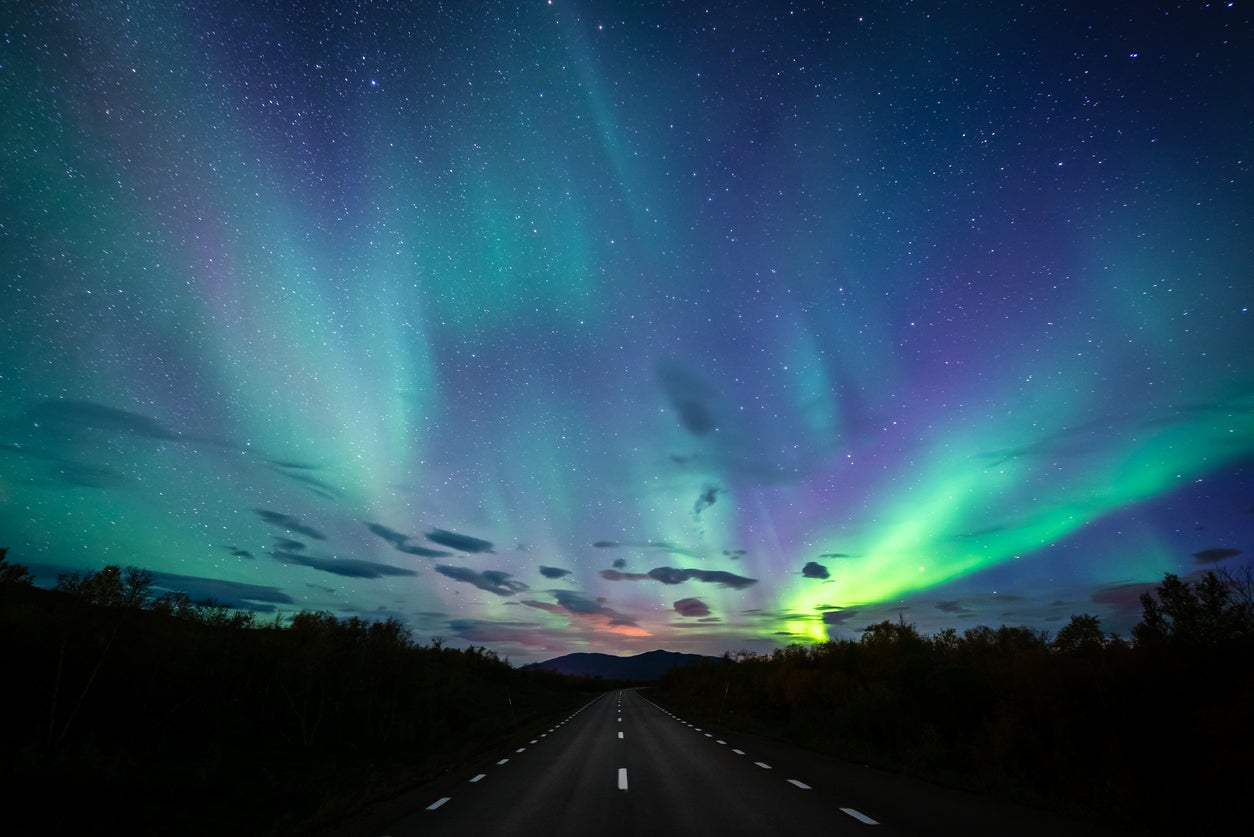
(650, 665)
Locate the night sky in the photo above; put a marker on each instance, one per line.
(570, 326)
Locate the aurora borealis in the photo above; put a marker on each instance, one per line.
(560, 326)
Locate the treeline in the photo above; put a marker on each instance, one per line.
(1152, 735)
(176, 717)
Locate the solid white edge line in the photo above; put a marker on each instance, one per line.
(799, 784)
(859, 816)
(622, 778)
(438, 803)
(480, 776)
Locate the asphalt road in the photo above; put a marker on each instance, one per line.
(624, 766)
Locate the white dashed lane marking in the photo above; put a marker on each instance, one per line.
(438, 803)
(799, 784)
(477, 778)
(763, 765)
(622, 778)
(738, 752)
(859, 816)
(620, 735)
(502, 761)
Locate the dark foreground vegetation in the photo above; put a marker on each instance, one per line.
(1155, 735)
(157, 715)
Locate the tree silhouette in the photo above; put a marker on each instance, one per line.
(1083, 634)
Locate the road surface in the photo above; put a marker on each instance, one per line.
(624, 767)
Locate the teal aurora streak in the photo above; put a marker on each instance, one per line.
(589, 326)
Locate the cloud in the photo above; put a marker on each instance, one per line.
(954, 606)
(347, 567)
(1069, 441)
(1215, 554)
(707, 498)
(553, 572)
(530, 636)
(616, 575)
(239, 553)
(690, 397)
(735, 554)
(1124, 599)
(481, 631)
(89, 415)
(461, 543)
(287, 544)
(66, 418)
(493, 581)
(294, 471)
(577, 602)
(813, 569)
(838, 617)
(664, 546)
(235, 594)
(290, 523)
(619, 563)
(546, 606)
(590, 611)
(692, 607)
(829, 555)
(400, 541)
(673, 575)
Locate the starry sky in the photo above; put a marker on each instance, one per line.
(611, 326)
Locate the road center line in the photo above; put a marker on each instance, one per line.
(502, 761)
(477, 778)
(622, 778)
(859, 816)
(799, 784)
(721, 741)
(763, 765)
(438, 803)
(738, 752)
(620, 735)
(520, 749)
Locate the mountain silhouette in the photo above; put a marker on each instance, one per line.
(649, 666)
